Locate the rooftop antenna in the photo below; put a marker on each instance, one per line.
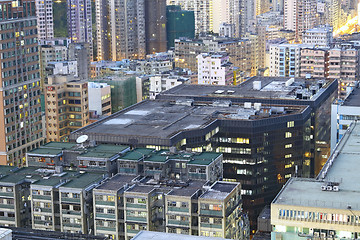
(80, 140)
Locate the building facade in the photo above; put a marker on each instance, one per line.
(45, 21)
(215, 69)
(20, 121)
(324, 207)
(67, 106)
(230, 120)
(122, 36)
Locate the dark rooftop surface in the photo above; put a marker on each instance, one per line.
(189, 190)
(270, 87)
(353, 100)
(224, 186)
(140, 189)
(164, 119)
(115, 183)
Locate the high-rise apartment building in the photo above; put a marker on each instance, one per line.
(285, 60)
(20, 118)
(120, 27)
(45, 21)
(67, 106)
(299, 15)
(79, 21)
(155, 26)
(320, 36)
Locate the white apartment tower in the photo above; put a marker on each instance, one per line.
(45, 22)
(285, 60)
(215, 69)
(321, 36)
(120, 26)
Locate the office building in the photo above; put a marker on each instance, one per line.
(45, 21)
(224, 118)
(325, 207)
(155, 26)
(120, 28)
(180, 23)
(20, 121)
(343, 113)
(215, 69)
(320, 36)
(67, 106)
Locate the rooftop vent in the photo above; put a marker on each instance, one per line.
(257, 85)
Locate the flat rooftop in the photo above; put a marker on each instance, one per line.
(343, 170)
(83, 180)
(353, 100)
(115, 183)
(189, 190)
(269, 87)
(163, 119)
(219, 190)
(147, 235)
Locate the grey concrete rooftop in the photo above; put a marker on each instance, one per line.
(341, 168)
(353, 100)
(117, 182)
(147, 235)
(219, 190)
(162, 119)
(269, 87)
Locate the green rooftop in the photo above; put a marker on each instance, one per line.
(83, 180)
(46, 151)
(104, 151)
(60, 145)
(137, 154)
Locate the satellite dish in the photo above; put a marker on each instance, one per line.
(82, 139)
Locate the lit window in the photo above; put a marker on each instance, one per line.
(288, 135)
(288, 145)
(290, 124)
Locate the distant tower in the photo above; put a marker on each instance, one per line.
(120, 27)
(155, 26)
(79, 20)
(45, 21)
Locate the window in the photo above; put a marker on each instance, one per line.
(288, 145)
(288, 135)
(290, 124)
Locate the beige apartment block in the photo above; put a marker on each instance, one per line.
(67, 106)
